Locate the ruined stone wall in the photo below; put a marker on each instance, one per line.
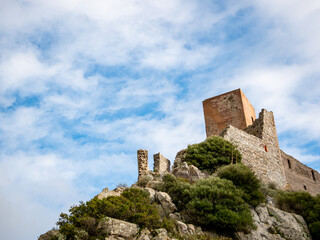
(299, 176)
(265, 128)
(231, 108)
(160, 163)
(266, 164)
(143, 167)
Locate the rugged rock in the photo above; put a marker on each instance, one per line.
(106, 193)
(273, 224)
(175, 216)
(145, 234)
(112, 237)
(161, 234)
(152, 194)
(48, 235)
(166, 203)
(119, 228)
(188, 172)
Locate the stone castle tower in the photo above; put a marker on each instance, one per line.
(232, 116)
(231, 108)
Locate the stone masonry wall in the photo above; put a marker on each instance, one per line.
(266, 164)
(299, 176)
(160, 163)
(265, 128)
(231, 108)
(143, 167)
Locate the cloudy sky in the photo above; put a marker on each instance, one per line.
(85, 83)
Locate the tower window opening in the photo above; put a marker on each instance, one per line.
(289, 164)
(304, 186)
(314, 178)
(252, 119)
(266, 148)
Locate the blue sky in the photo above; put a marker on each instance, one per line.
(85, 83)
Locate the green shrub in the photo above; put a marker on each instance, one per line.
(212, 203)
(211, 154)
(133, 206)
(178, 189)
(217, 204)
(304, 204)
(245, 179)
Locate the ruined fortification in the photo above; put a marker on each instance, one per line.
(228, 115)
(232, 116)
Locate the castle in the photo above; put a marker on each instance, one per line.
(232, 116)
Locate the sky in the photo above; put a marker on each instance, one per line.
(84, 84)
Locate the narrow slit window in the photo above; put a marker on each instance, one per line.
(314, 178)
(304, 186)
(266, 148)
(289, 164)
(252, 119)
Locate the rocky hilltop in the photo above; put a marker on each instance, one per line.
(177, 220)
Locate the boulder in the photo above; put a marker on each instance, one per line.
(189, 172)
(152, 194)
(161, 234)
(175, 216)
(48, 235)
(273, 224)
(106, 193)
(112, 237)
(111, 226)
(166, 203)
(145, 234)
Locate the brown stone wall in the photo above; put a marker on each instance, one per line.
(143, 167)
(299, 176)
(231, 108)
(160, 163)
(266, 164)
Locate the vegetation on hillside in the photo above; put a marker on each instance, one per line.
(212, 203)
(245, 179)
(212, 153)
(304, 204)
(133, 206)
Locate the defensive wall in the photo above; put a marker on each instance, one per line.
(299, 176)
(257, 141)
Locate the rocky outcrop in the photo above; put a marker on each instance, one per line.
(166, 203)
(106, 193)
(189, 172)
(273, 224)
(118, 228)
(50, 234)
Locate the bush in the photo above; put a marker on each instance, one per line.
(133, 206)
(212, 203)
(245, 179)
(211, 154)
(178, 189)
(217, 204)
(304, 204)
